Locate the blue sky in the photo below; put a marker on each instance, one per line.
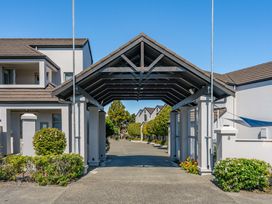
(242, 27)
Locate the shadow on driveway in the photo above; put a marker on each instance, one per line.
(138, 161)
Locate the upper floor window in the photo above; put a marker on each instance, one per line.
(36, 78)
(145, 117)
(68, 75)
(9, 76)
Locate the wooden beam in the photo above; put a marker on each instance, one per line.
(151, 66)
(133, 66)
(191, 98)
(143, 69)
(142, 54)
(89, 98)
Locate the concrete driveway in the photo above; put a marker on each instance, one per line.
(134, 173)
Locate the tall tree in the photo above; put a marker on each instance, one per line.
(118, 114)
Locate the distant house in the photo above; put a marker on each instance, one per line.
(146, 114)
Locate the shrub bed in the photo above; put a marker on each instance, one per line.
(242, 174)
(49, 169)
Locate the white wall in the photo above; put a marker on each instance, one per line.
(63, 57)
(229, 146)
(44, 114)
(254, 101)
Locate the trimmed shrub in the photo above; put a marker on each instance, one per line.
(242, 174)
(190, 166)
(49, 141)
(57, 169)
(134, 129)
(49, 169)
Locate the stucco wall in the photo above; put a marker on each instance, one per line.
(254, 101)
(63, 58)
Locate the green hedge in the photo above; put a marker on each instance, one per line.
(49, 169)
(49, 141)
(134, 129)
(242, 174)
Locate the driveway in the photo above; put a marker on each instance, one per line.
(133, 173)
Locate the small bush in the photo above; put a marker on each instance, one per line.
(49, 141)
(49, 169)
(190, 166)
(242, 174)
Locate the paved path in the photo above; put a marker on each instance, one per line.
(134, 173)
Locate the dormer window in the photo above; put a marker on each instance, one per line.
(68, 76)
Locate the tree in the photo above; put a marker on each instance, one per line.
(134, 129)
(110, 128)
(161, 122)
(132, 118)
(118, 114)
(159, 125)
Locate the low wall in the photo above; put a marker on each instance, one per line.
(229, 146)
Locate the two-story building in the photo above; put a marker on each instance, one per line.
(146, 114)
(29, 70)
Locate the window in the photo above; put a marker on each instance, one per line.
(56, 120)
(9, 76)
(68, 75)
(44, 125)
(36, 78)
(145, 117)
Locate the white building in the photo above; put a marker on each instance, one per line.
(29, 70)
(142, 69)
(146, 114)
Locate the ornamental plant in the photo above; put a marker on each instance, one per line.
(45, 170)
(49, 141)
(190, 166)
(242, 174)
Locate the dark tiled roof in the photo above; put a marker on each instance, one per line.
(28, 94)
(150, 110)
(25, 47)
(260, 72)
(44, 42)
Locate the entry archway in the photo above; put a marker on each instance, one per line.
(143, 69)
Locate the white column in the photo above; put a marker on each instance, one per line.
(177, 136)
(42, 73)
(184, 116)
(28, 131)
(65, 124)
(172, 138)
(102, 135)
(5, 123)
(93, 136)
(204, 131)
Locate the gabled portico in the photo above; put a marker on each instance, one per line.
(143, 69)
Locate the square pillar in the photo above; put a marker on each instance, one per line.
(28, 132)
(93, 157)
(184, 119)
(102, 135)
(172, 138)
(65, 124)
(178, 136)
(82, 137)
(204, 135)
(5, 124)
